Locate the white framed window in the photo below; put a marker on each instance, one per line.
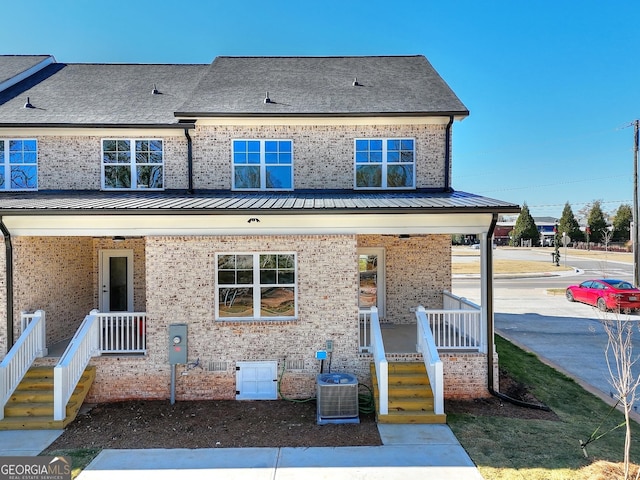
(132, 164)
(385, 163)
(256, 286)
(262, 164)
(18, 164)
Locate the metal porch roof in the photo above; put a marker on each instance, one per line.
(225, 202)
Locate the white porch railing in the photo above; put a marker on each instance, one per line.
(432, 362)
(458, 326)
(365, 330)
(453, 302)
(123, 332)
(30, 345)
(67, 373)
(380, 360)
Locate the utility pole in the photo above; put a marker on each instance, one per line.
(636, 229)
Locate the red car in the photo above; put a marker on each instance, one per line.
(606, 294)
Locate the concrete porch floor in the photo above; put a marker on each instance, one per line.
(57, 349)
(399, 338)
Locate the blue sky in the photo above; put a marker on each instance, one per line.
(552, 85)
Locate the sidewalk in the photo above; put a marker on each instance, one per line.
(408, 452)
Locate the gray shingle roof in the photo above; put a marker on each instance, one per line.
(97, 94)
(224, 202)
(13, 65)
(322, 86)
(120, 94)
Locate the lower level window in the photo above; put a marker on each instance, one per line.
(256, 286)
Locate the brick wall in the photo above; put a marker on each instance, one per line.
(465, 375)
(180, 274)
(75, 162)
(60, 275)
(417, 270)
(323, 155)
(53, 274)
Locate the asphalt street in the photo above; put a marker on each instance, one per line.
(570, 336)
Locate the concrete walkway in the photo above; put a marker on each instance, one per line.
(408, 452)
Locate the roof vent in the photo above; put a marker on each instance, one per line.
(266, 98)
(155, 90)
(28, 104)
(355, 82)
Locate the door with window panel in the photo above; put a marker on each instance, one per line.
(371, 285)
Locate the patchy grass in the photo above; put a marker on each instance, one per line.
(471, 266)
(80, 457)
(510, 449)
(594, 254)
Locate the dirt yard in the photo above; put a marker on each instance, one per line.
(225, 424)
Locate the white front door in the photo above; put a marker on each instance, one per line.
(371, 289)
(116, 281)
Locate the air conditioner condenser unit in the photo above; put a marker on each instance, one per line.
(337, 398)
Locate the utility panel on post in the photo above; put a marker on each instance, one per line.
(178, 344)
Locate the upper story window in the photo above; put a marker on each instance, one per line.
(256, 286)
(18, 164)
(262, 165)
(385, 163)
(132, 164)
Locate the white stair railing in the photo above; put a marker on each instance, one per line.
(380, 361)
(426, 346)
(30, 345)
(67, 373)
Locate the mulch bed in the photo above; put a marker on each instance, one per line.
(230, 423)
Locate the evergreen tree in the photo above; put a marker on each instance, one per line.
(597, 222)
(622, 223)
(570, 225)
(525, 228)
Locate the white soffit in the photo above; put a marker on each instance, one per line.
(251, 224)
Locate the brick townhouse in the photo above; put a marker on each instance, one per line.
(261, 207)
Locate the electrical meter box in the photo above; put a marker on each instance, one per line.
(178, 344)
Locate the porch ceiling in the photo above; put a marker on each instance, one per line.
(249, 224)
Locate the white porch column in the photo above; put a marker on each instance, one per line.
(486, 294)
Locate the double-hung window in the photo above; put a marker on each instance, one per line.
(18, 164)
(130, 164)
(385, 163)
(262, 165)
(256, 286)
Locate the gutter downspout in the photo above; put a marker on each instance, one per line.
(189, 160)
(490, 324)
(447, 156)
(9, 279)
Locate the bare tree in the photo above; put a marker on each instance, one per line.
(607, 235)
(620, 361)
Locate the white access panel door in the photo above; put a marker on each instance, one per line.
(256, 381)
